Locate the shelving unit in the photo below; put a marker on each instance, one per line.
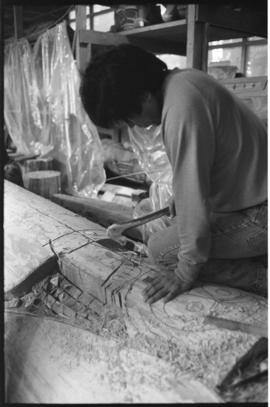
(173, 35)
(190, 36)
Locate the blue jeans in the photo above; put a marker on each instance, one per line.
(238, 255)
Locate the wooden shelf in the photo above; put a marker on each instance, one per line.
(158, 30)
(172, 36)
(165, 37)
(176, 31)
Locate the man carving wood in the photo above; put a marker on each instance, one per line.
(218, 151)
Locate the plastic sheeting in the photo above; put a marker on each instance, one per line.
(148, 146)
(18, 96)
(44, 114)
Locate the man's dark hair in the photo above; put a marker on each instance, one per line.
(115, 82)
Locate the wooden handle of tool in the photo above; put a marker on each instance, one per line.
(118, 228)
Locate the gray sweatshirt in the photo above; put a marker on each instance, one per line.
(218, 151)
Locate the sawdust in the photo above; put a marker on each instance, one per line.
(208, 360)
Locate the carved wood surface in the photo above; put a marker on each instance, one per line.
(25, 258)
(113, 275)
(75, 366)
(30, 222)
(112, 278)
(25, 262)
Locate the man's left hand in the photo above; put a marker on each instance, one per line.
(166, 285)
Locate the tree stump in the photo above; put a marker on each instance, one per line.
(44, 183)
(39, 164)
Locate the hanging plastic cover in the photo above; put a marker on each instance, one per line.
(21, 98)
(148, 146)
(55, 121)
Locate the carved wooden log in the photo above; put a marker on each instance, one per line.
(39, 164)
(107, 277)
(88, 259)
(44, 183)
(110, 274)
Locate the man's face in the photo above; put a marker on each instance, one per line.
(150, 114)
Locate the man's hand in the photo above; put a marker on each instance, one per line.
(165, 285)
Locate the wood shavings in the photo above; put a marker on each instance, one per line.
(207, 354)
(13, 302)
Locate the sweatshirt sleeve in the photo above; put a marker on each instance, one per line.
(188, 133)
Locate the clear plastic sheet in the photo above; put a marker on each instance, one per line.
(148, 146)
(20, 98)
(46, 116)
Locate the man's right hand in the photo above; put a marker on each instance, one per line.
(165, 285)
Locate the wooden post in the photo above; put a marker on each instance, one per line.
(244, 56)
(80, 17)
(44, 183)
(197, 40)
(18, 21)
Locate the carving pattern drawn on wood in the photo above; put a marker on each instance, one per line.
(120, 282)
(182, 318)
(102, 212)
